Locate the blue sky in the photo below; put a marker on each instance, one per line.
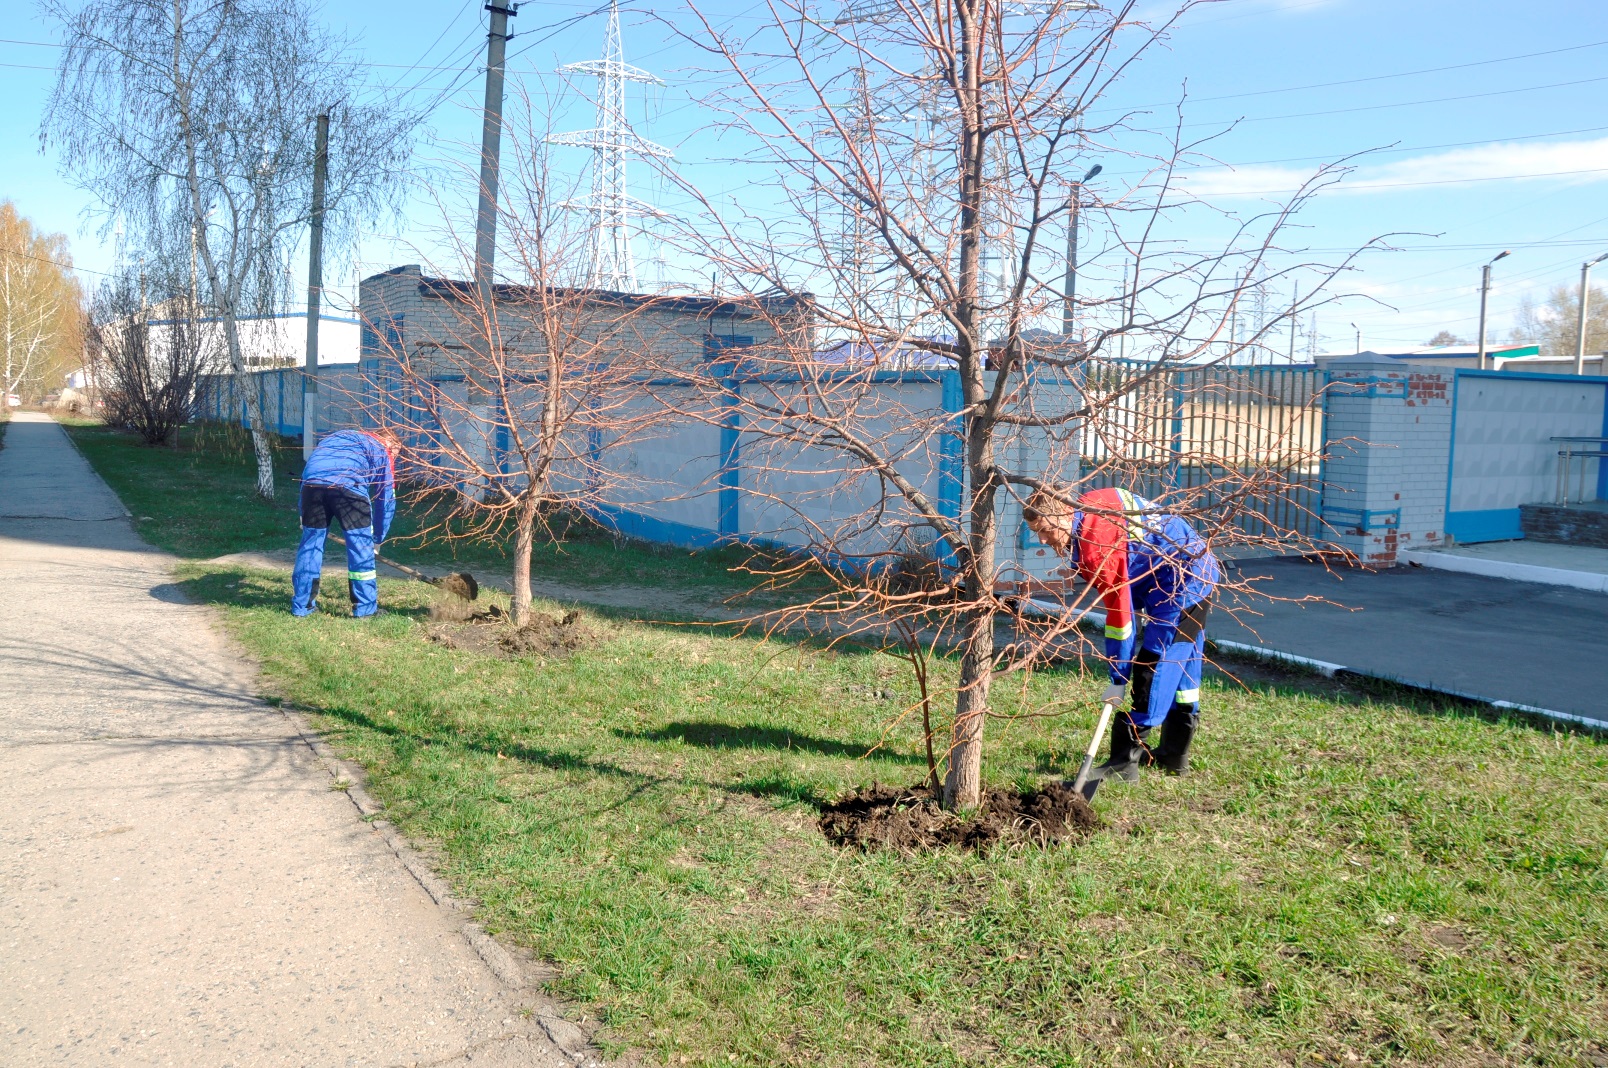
(1490, 116)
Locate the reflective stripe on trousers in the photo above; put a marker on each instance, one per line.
(360, 571)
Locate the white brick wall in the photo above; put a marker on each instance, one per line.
(1389, 425)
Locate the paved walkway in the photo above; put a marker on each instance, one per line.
(1586, 558)
(178, 882)
(1494, 638)
(1584, 567)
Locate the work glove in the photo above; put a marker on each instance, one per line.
(1114, 694)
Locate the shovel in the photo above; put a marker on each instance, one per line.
(459, 583)
(1083, 783)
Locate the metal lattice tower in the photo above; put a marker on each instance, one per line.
(612, 140)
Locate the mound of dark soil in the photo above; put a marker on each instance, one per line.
(885, 817)
(490, 632)
(460, 584)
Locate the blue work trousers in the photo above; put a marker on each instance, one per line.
(1171, 676)
(320, 504)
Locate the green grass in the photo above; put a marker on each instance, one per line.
(1341, 878)
(1346, 879)
(199, 501)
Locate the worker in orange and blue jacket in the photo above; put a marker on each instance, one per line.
(1148, 567)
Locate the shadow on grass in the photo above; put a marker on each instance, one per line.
(245, 588)
(734, 736)
(559, 760)
(251, 589)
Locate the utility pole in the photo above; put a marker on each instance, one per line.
(1068, 308)
(1295, 314)
(1485, 292)
(1122, 338)
(315, 288)
(491, 157)
(1580, 324)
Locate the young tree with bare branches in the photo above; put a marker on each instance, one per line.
(521, 388)
(927, 155)
(199, 114)
(148, 371)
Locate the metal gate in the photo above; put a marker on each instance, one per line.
(1243, 442)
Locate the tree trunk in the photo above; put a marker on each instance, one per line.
(963, 782)
(259, 434)
(524, 538)
(227, 294)
(963, 785)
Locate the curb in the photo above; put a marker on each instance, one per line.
(503, 964)
(1590, 581)
(80, 454)
(570, 1039)
(1094, 618)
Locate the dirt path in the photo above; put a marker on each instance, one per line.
(179, 883)
(646, 600)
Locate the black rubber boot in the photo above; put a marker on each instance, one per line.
(1177, 734)
(1127, 750)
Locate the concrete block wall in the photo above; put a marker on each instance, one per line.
(1389, 428)
(402, 310)
(812, 496)
(1503, 452)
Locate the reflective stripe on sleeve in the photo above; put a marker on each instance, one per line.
(1122, 633)
(1189, 697)
(362, 576)
(1133, 517)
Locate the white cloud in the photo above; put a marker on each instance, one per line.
(1570, 161)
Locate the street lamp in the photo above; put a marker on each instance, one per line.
(1580, 329)
(1067, 313)
(1358, 329)
(1485, 291)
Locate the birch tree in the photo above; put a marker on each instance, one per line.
(40, 306)
(201, 113)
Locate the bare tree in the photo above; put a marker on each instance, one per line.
(151, 349)
(1554, 325)
(513, 403)
(40, 304)
(200, 113)
(927, 155)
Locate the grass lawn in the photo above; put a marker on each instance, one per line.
(199, 501)
(1345, 880)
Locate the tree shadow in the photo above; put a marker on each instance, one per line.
(560, 760)
(247, 588)
(710, 735)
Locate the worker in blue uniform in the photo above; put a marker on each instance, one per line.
(351, 478)
(1146, 566)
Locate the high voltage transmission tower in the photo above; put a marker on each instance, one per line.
(612, 140)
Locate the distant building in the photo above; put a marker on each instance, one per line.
(270, 341)
(405, 311)
(1526, 358)
(1453, 355)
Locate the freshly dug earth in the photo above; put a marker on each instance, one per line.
(490, 632)
(886, 817)
(460, 584)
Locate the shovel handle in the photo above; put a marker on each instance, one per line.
(1094, 745)
(417, 576)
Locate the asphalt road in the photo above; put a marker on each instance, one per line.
(1512, 641)
(179, 883)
